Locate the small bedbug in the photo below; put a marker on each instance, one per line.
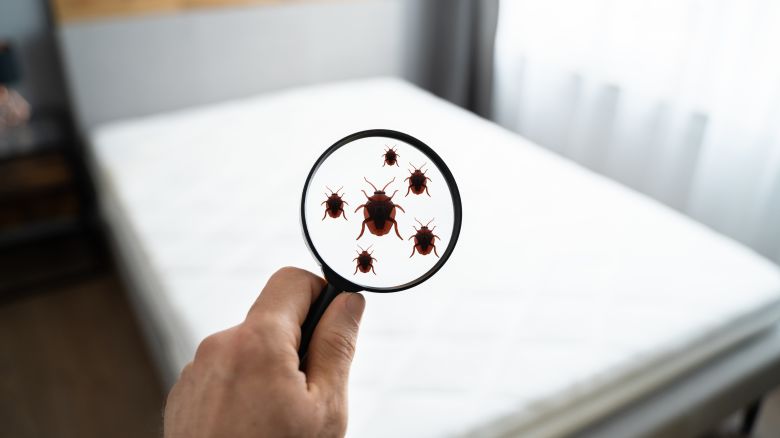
(334, 205)
(391, 156)
(418, 182)
(365, 261)
(379, 212)
(424, 239)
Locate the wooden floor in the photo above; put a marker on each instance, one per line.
(72, 361)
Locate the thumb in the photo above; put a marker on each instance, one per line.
(333, 344)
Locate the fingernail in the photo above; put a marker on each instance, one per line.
(355, 304)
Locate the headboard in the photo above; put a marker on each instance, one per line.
(132, 65)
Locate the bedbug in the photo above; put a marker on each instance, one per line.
(391, 156)
(334, 205)
(424, 239)
(365, 261)
(418, 182)
(379, 212)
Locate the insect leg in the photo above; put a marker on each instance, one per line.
(363, 229)
(426, 191)
(372, 269)
(359, 207)
(407, 190)
(396, 228)
(364, 192)
(402, 209)
(323, 202)
(413, 248)
(356, 268)
(345, 202)
(434, 250)
(326, 213)
(343, 213)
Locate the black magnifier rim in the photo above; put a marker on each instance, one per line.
(347, 285)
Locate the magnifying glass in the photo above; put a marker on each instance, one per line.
(380, 212)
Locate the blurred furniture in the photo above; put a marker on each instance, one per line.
(571, 303)
(44, 196)
(14, 109)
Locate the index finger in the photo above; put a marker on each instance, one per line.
(286, 298)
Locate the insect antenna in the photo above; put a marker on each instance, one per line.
(383, 188)
(329, 189)
(418, 222)
(337, 191)
(361, 248)
(372, 185)
(429, 222)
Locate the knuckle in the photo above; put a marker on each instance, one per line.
(185, 372)
(288, 271)
(234, 341)
(209, 346)
(244, 342)
(249, 345)
(291, 273)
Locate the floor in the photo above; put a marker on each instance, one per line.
(72, 360)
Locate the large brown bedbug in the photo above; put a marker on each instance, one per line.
(418, 182)
(391, 156)
(379, 212)
(424, 239)
(365, 261)
(334, 205)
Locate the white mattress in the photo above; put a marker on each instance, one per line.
(566, 296)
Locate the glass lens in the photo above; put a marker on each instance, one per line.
(379, 213)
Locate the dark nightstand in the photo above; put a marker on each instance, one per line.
(46, 209)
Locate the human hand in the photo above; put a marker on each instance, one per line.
(245, 381)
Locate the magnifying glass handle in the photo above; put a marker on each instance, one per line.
(316, 310)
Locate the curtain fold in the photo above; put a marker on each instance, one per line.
(677, 99)
(461, 58)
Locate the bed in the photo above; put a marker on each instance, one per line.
(568, 298)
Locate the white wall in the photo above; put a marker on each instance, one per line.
(134, 66)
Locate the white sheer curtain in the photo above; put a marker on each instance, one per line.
(679, 99)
